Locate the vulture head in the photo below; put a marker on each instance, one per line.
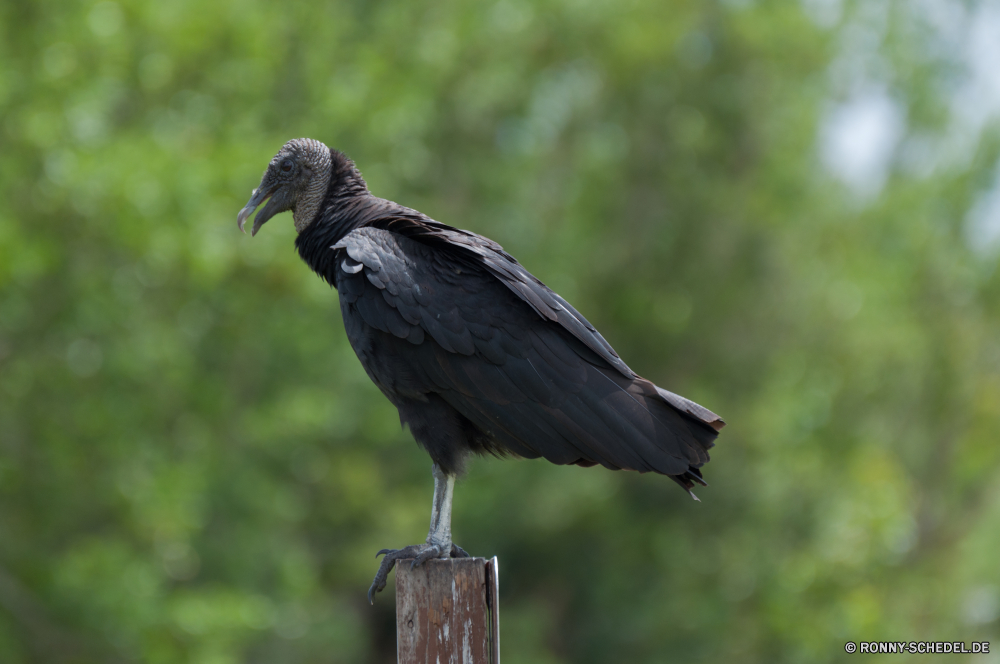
(296, 180)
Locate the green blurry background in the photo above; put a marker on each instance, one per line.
(789, 212)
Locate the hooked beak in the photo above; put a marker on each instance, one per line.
(260, 194)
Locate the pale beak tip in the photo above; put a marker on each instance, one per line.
(241, 218)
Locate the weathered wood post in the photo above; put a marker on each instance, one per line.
(446, 612)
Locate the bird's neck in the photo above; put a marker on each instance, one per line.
(310, 201)
(341, 213)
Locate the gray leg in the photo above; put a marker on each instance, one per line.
(444, 490)
(439, 544)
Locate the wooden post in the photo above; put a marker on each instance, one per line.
(446, 612)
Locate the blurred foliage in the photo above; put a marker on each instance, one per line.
(195, 468)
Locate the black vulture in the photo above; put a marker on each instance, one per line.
(477, 354)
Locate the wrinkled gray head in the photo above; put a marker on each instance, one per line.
(296, 180)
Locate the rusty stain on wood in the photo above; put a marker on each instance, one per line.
(443, 612)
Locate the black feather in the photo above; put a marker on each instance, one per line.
(480, 356)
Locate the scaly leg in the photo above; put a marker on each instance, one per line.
(439, 544)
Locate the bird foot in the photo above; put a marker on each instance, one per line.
(420, 553)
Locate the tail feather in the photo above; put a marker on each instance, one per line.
(692, 409)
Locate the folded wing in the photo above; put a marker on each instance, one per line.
(468, 323)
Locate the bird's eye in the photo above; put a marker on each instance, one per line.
(286, 166)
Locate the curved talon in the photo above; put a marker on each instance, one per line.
(420, 553)
(433, 551)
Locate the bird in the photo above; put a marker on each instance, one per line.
(476, 353)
